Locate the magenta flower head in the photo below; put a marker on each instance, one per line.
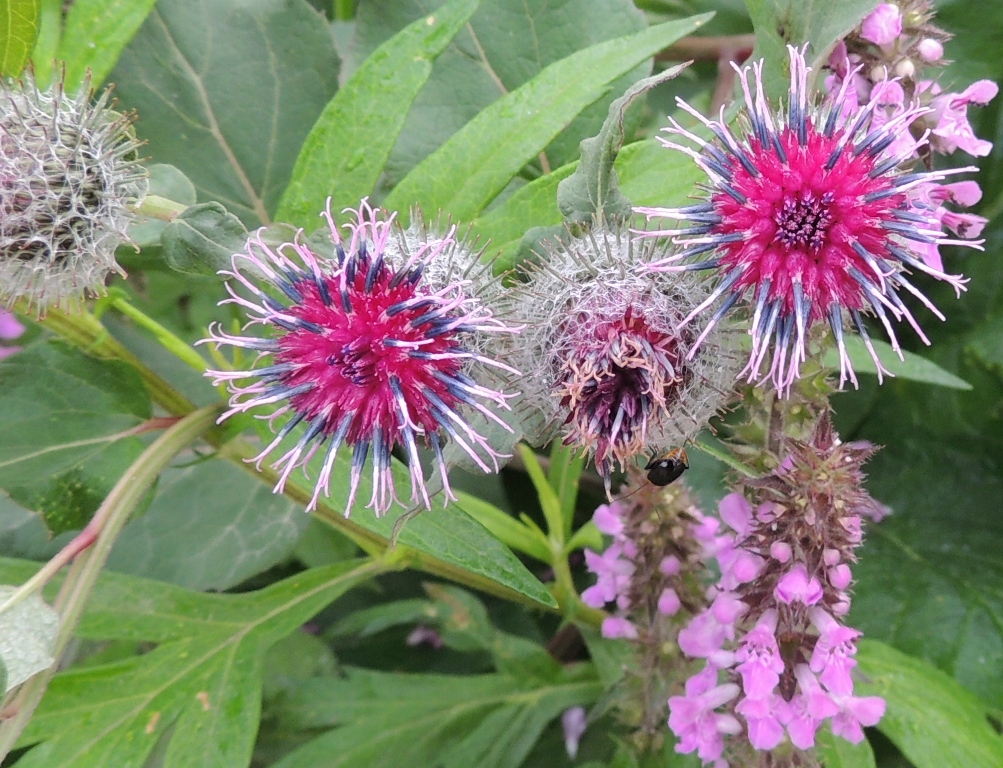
(365, 353)
(70, 179)
(808, 220)
(613, 373)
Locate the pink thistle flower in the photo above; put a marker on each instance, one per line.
(796, 586)
(759, 656)
(882, 25)
(807, 222)
(693, 719)
(365, 354)
(612, 375)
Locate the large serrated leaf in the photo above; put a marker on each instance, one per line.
(64, 417)
(227, 90)
(935, 722)
(480, 159)
(200, 689)
(345, 152)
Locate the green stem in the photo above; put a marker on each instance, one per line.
(168, 340)
(107, 524)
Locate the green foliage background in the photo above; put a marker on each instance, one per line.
(475, 109)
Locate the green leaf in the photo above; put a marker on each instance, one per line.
(227, 92)
(505, 527)
(18, 31)
(209, 528)
(27, 637)
(549, 501)
(391, 719)
(911, 367)
(593, 189)
(65, 419)
(95, 34)
(201, 240)
(839, 753)
(504, 46)
(470, 169)
(781, 22)
(199, 690)
(348, 146)
(933, 721)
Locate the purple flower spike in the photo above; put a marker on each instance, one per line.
(367, 353)
(808, 221)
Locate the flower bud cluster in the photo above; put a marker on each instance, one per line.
(777, 652)
(651, 577)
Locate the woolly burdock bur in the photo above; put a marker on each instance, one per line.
(612, 371)
(809, 218)
(69, 181)
(364, 353)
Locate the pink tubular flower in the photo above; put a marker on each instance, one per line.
(765, 717)
(366, 353)
(855, 712)
(693, 719)
(759, 659)
(950, 110)
(807, 222)
(796, 586)
(882, 25)
(618, 627)
(832, 659)
(613, 572)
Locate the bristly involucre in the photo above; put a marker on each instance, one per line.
(610, 370)
(364, 352)
(809, 218)
(69, 182)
